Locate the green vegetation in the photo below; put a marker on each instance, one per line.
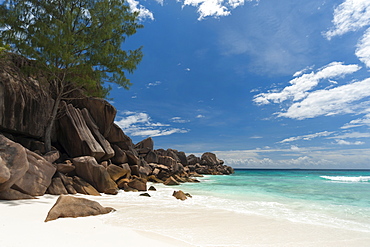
(76, 44)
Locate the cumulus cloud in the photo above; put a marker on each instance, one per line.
(300, 86)
(140, 124)
(215, 8)
(339, 100)
(307, 137)
(351, 15)
(144, 13)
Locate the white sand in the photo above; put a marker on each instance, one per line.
(22, 224)
(160, 221)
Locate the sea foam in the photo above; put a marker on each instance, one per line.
(347, 179)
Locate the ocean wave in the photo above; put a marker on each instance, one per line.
(347, 179)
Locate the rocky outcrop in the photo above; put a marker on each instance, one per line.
(95, 174)
(90, 153)
(75, 136)
(25, 103)
(69, 206)
(14, 162)
(38, 176)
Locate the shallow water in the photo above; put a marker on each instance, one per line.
(256, 208)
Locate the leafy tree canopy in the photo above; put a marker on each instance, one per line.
(76, 44)
(73, 41)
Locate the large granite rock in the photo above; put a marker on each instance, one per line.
(145, 144)
(57, 187)
(38, 176)
(95, 174)
(14, 162)
(210, 159)
(69, 206)
(120, 156)
(109, 152)
(116, 136)
(4, 171)
(101, 111)
(75, 136)
(11, 194)
(117, 172)
(25, 105)
(83, 187)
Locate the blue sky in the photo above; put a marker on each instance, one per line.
(263, 84)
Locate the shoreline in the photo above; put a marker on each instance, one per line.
(161, 221)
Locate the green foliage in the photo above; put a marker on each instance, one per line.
(76, 43)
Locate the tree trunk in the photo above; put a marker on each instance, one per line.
(50, 124)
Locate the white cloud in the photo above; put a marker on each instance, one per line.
(365, 120)
(339, 100)
(200, 116)
(351, 135)
(343, 142)
(363, 48)
(307, 137)
(300, 86)
(179, 120)
(140, 124)
(351, 15)
(153, 84)
(314, 157)
(214, 8)
(144, 13)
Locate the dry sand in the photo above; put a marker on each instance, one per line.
(22, 224)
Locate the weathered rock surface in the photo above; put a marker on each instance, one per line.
(138, 184)
(83, 187)
(25, 105)
(75, 136)
(57, 187)
(11, 194)
(171, 181)
(15, 162)
(101, 111)
(179, 195)
(4, 171)
(69, 206)
(38, 176)
(95, 174)
(109, 152)
(116, 172)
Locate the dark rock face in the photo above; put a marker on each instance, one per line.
(75, 136)
(69, 206)
(24, 103)
(104, 157)
(101, 111)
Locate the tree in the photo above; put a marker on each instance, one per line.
(76, 44)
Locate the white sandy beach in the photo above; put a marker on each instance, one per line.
(141, 221)
(22, 224)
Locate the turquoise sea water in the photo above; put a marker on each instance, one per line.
(255, 208)
(336, 198)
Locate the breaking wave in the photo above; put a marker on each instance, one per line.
(347, 179)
